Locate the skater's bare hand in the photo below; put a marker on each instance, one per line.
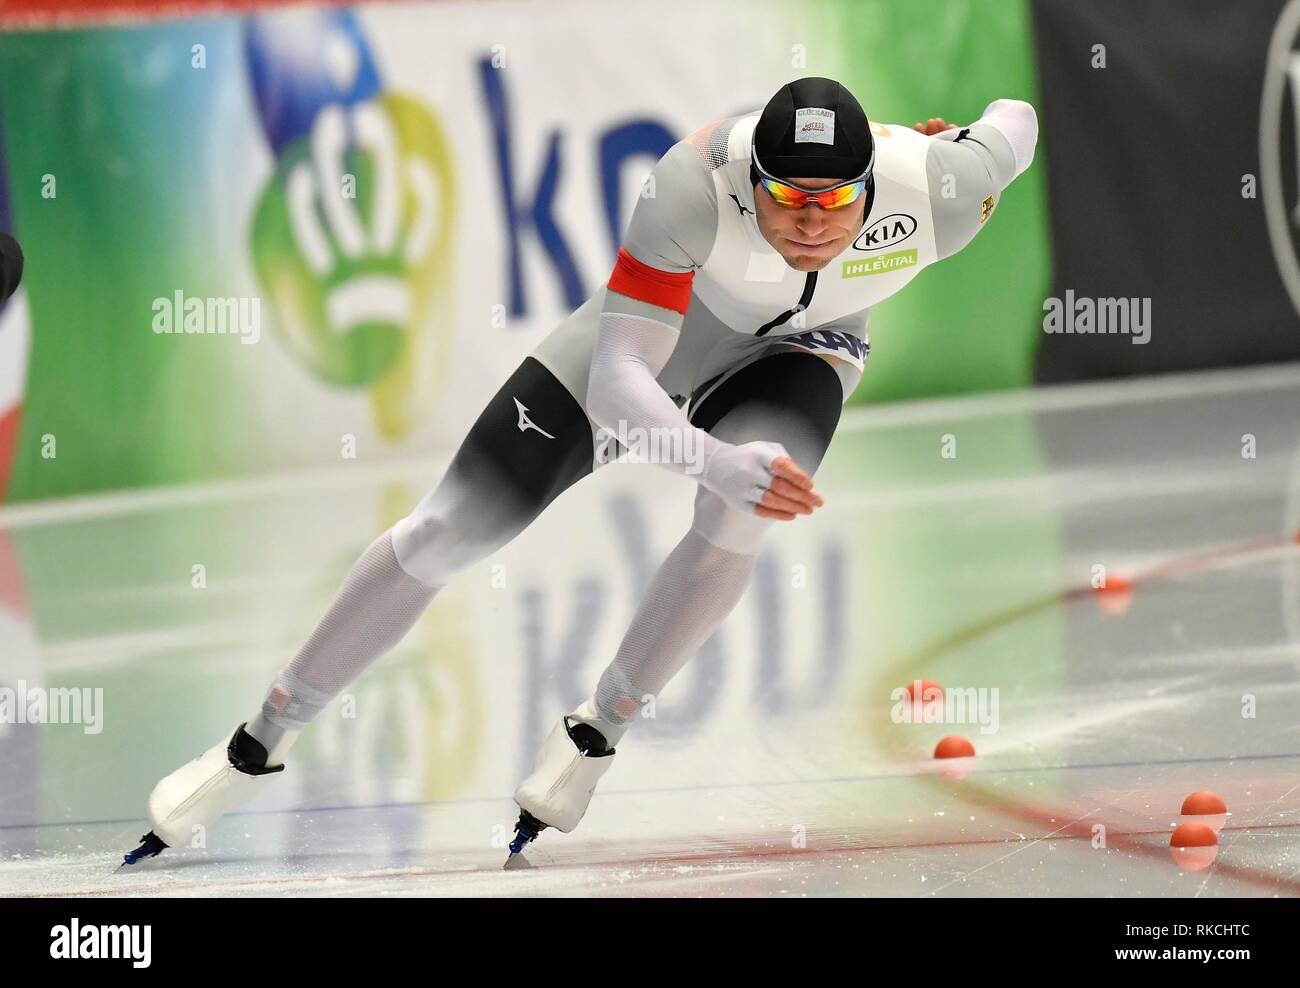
(791, 492)
(934, 125)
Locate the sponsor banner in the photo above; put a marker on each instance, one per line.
(1172, 185)
(303, 237)
(294, 237)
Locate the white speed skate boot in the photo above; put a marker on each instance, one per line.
(226, 776)
(569, 764)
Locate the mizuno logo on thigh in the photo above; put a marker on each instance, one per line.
(525, 423)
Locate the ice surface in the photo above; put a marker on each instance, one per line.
(772, 765)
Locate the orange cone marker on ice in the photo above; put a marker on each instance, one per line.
(1206, 807)
(1116, 596)
(955, 756)
(1193, 846)
(954, 746)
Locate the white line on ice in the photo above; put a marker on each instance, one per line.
(426, 465)
(1071, 397)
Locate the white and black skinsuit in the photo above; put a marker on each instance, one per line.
(702, 326)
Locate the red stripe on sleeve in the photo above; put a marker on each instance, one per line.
(666, 289)
(8, 444)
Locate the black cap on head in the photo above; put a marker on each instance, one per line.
(813, 128)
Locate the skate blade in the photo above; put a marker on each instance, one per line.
(515, 862)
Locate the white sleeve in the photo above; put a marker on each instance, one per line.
(623, 395)
(980, 161)
(1016, 121)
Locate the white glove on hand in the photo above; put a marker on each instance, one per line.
(740, 475)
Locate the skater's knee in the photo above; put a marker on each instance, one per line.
(431, 544)
(727, 528)
(454, 526)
